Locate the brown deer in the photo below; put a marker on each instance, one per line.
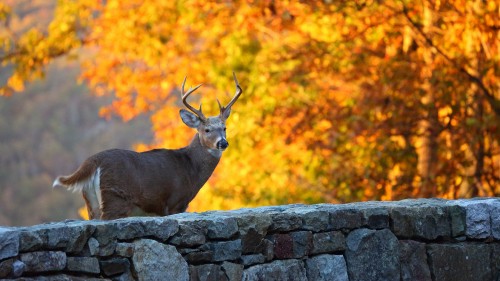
(161, 181)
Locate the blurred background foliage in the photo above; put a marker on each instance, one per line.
(343, 100)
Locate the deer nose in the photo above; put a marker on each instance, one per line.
(222, 144)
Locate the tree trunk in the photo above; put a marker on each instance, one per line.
(427, 147)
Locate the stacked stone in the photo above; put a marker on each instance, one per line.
(426, 239)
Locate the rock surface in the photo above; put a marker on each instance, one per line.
(276, 271)
(327, 268)
(155, 261)
(372, 255)
(460, 262)
(9, 243)
(424, 239)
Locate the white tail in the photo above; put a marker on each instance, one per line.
(161, 181)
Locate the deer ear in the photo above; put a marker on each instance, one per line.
(190, 118)
(226, 113)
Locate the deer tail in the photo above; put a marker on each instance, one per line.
(88, 175)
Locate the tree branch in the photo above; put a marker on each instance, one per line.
(494, 103)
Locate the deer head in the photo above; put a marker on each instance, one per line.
(211, 130)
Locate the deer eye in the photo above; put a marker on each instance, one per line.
(207, 131)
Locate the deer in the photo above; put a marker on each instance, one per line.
(116, 182)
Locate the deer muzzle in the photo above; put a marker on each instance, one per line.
(222, 144)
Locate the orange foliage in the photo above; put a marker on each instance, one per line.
(334, 92)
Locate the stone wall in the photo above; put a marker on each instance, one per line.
(427, 239)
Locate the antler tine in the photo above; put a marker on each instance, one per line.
(185, 96)
(234, 99)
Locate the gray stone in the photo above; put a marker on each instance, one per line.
(233, 271)
(285, 222)
(316, 221)
(125, 249)
(9, 243)
(252, 228)
(31, 240)
(460, 262)
(345, 218)
(105, 232)
(328, 242)
(224, 250)
(253, 242)
(495, 263)
(477, 220)
(312, 219)
(115, 266)
(68, 236)
(309, 240)
(259, 223)
(221, 227)
(160, 228)
(372, 255)
(191, 233)
(413, 259)
(375, 217)
(105, 235)
(268, 251)
(18, 268)
(327, 267)
(6, 267)
(62, 277)
(79, 235)
(198, 256)
(44, 261)
(457, 217)
(207, 272)
(302, 243)
(495, 219)
(93, 246)
(83, 264)
(421, 222)
(248, 260)
(155, 261)
(279, 270)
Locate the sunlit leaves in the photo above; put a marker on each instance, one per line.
(335, 92)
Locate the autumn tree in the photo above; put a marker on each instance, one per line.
(343, 100)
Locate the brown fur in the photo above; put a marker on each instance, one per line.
(160, 181)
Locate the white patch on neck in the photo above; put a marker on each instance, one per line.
(215, 152)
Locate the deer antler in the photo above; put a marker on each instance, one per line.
(185, 96)
(235, 98)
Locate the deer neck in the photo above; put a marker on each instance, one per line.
(203, 159)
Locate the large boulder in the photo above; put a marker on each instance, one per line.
(372, 255)
(460, 262)
(156, 261)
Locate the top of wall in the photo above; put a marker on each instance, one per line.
(238, 241)
(425, 219)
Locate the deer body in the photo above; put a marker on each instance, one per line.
(161, 181)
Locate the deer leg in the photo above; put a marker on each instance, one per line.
(115, 210)
(92, 202)
(178, 210)
(183, 209)
(115, 206)
(89, 208)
